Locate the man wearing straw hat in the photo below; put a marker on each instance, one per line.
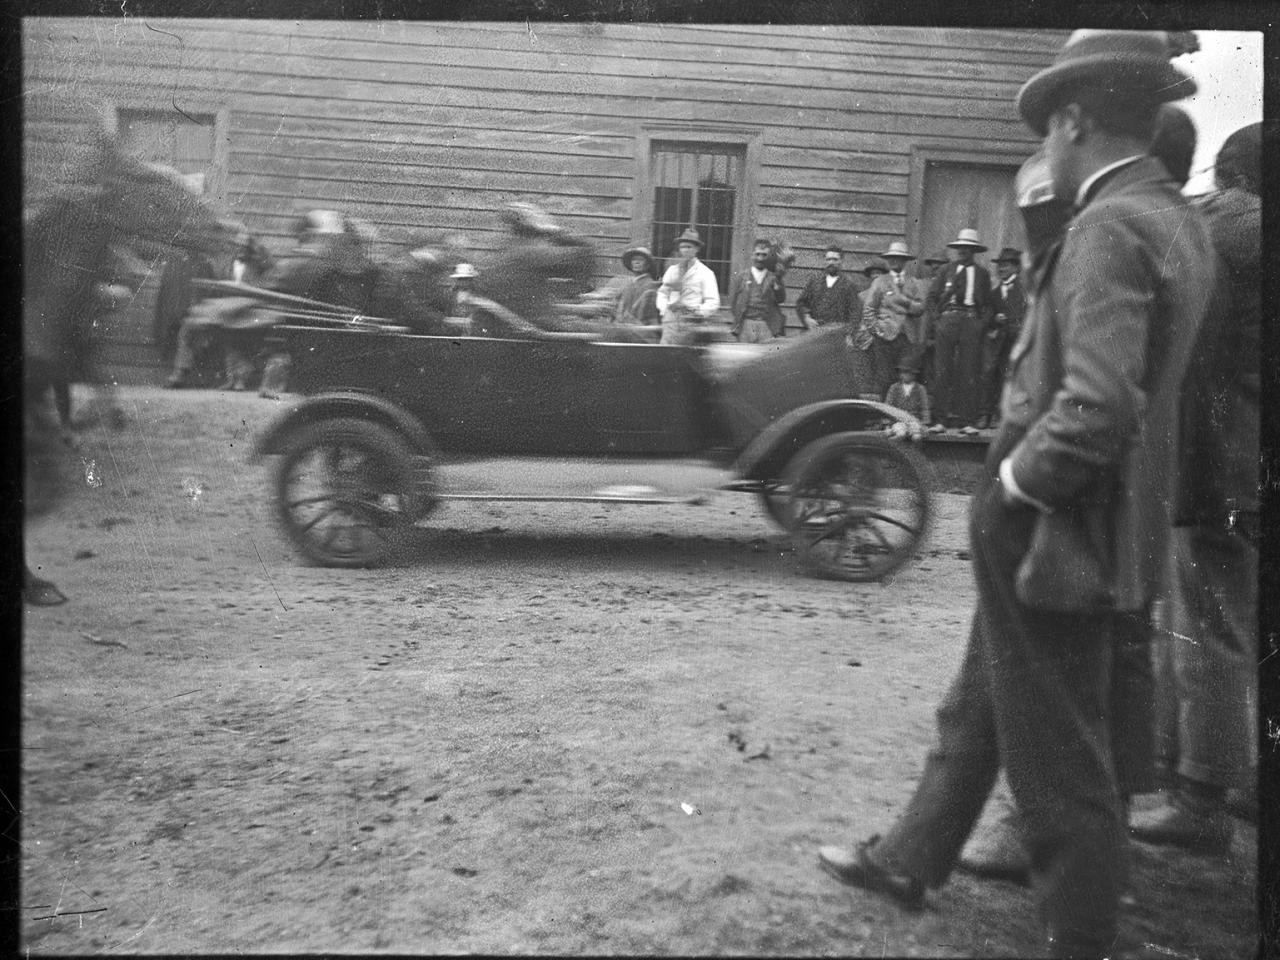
(1068, 528)
(891, 312)
(960, 302)
(689, 294)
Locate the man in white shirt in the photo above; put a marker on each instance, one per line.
(689, 293)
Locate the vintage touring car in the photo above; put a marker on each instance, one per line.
(392, 424)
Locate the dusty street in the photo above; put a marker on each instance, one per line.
(557, 729)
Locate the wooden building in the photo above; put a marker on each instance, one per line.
(624, 132)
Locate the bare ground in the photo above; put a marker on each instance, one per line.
(557, 729)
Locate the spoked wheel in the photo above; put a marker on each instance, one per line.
(777, 504)
(346, 492)
(858, 507)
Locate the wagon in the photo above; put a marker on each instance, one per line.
(392, 425)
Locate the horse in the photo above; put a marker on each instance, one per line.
(69, 241)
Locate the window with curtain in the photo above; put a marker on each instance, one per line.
(697, 185)
(180, 140)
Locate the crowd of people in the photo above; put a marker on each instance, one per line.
(1124, 468)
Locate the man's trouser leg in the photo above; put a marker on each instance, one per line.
(967, 393)
(1133, 704)
(1048, 702)
(946, 369)
(926, 839)
(755, 331)
(995, 351)
(1051, 676)
(885, 355)
(1215, 655)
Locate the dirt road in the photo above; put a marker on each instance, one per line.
(558, 729)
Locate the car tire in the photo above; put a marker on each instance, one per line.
(347, 492)
(858, 506)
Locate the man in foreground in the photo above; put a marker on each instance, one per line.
(1070, 523)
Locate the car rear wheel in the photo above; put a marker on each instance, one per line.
(857, 506)
(347, 492)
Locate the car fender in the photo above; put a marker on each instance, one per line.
(345, 403)
(768, 453)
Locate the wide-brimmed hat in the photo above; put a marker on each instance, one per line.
(1009, 255)
(938, 256)
(636, 252)
(875, 264)
(968, 238)
(1130, 62)
(689, 236)
(898, 249)
(463, 271)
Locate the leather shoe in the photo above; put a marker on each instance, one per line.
(857, 869)
(1179, 822)
(969, 430)
(997, 852)
(937, 428)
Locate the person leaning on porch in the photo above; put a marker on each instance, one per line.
(689, 293)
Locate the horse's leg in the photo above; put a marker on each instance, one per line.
(62, 401)
(39, 592)
(106, 406)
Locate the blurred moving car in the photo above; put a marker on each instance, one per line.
(394, 424)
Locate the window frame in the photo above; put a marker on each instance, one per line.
(700, 135)
(215, 188)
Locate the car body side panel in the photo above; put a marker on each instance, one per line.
(481, 395)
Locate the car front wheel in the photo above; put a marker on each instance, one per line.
(858, 507)
(346, 492)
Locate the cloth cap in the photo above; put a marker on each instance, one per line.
(875, 264)
(1124, 61)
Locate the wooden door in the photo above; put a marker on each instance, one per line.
(969, 195)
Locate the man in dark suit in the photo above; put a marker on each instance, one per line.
(1069, 526)
(960, 301)
(1010, 303)
(830, 296)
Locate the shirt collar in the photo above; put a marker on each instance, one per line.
(1083, 193)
